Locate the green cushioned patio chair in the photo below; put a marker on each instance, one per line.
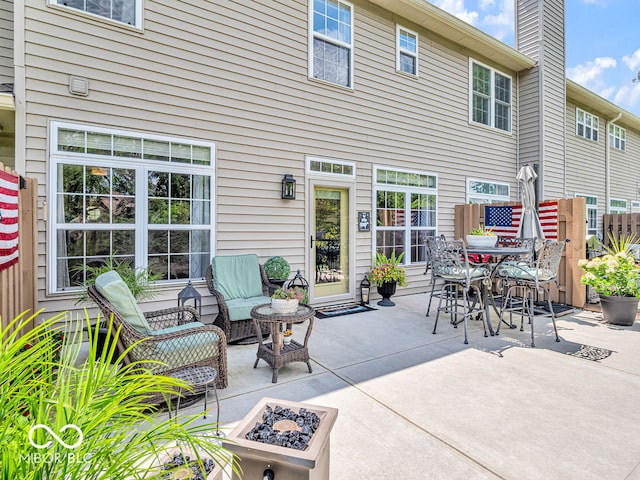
(170, 340)
(239, 283)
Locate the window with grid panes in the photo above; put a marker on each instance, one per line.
(587, 125)
(123, 11)
(407, 51)
(617, 137)
(490, 97)
(331, 22)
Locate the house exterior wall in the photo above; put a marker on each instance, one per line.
(6, 41)
(235, 73)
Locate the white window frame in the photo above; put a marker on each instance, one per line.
(617, 137)
(590, 125)
(635, 206)
(620, 208)
(329, 39)
(592, 213)
(141, 166)
(400, 50)
(407, 190)
(327, 166)
(138, 13)
(488, 195)
(491, 97)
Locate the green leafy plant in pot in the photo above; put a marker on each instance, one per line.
(615, 276)
(386, 274)
(277, 270)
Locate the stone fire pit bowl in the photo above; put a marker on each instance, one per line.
(286, 463)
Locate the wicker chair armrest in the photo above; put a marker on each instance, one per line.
(267, 287)
(199, 329)
(171, 317)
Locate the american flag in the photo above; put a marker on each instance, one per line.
(505, 220)
(9, 185)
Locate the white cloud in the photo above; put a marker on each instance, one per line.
(628, 96)
(457, 9)
(632, 61)
(487, 4)
(500, 25)
(590, 74)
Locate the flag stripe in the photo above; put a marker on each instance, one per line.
(505, 220)
(9, 188)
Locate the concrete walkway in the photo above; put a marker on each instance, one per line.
(413, 405)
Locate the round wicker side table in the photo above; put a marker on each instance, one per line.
(276, 353)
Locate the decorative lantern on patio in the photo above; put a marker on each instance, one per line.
(299, 281)
(365, 290)
(190, 293)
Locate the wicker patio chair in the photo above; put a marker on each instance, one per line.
(174, 337)
(239, 283)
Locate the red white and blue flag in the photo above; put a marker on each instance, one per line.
(9, 186)
(505, 220)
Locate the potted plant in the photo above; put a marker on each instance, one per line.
(615, 277)
(386, 274)
(286, 300)
(277, 270)
(286, 336)
(482, 237)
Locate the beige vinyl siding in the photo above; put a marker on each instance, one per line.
(235, 73)
(6, 41)
(625, 168)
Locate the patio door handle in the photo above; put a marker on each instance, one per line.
(311, 245)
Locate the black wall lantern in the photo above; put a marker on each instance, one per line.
(288, 187)
(365, 290)
(190, 293)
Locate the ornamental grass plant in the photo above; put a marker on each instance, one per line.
(614, 274)
(387, 269)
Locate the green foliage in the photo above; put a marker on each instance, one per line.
(116, 435)
(482, 231)
(387, 269)
(141, 281)
(613, 274)
(277, 268)
(295, 293)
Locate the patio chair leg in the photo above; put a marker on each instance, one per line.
(553, 317)
(465, 314)
(531, 314)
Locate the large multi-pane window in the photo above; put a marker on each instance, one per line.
(490, 97)
(130, 197)
(587, 125)
(405, 209)
(617, 137)
(124, 11)
(406, 51)
(331, 46)
(617, 205)
(485, 191)
(592, 213)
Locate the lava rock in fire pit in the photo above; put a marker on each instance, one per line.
(195, 474)
(283, 427)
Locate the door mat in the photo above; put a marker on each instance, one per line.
(344, 309)
(559, 309)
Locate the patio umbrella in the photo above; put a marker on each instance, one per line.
(529, 223)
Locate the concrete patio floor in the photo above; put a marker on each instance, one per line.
(413, 405)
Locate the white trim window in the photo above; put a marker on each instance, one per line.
(592, 213)
(128, 12)
(405, 209)
(486, 191)
(490, 97)
(137, 198)
(587, 125)
(325, 166)
(406, 51)
(618, 205)
(331, 41)
(617, 137)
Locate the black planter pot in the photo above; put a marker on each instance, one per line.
(103, 331)
(386, 290)
(619, 310)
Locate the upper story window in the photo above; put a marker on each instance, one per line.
(406, 51)
(136, 198)
(490, 102)
(587, 125)
(128, 12)
(617, 137)
(485, 191)
(331, 41)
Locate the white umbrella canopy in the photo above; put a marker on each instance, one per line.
(529, 223)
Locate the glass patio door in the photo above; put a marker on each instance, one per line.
(330, 241)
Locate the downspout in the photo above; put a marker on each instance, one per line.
(517, 122)
(607, 161)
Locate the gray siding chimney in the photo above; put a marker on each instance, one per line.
(540, 34)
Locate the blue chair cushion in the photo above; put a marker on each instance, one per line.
(177, 328)
(112, 287)
(240, 308)
(237, 276)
